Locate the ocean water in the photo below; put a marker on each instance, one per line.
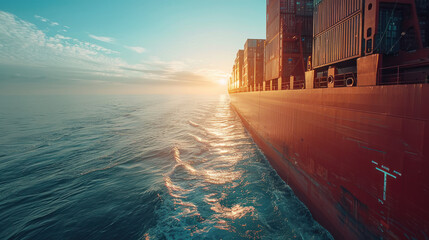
(139, 167)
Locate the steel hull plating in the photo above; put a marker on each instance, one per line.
(357, 157)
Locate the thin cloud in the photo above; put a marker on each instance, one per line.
(136, 49)
(102, 39)
(62, 37)
(45, 20)
(26, 44)
(27, 50)
(41, 18)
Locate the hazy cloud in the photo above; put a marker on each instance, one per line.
(136, 49)
(31, 55)
(102, 39)
(27, 45)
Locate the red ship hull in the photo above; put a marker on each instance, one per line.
(357, 157)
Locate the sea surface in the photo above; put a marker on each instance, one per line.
(139, 167)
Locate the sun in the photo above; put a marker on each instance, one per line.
(222, 82)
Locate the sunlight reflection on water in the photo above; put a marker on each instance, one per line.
(139, 167)
(218, 192)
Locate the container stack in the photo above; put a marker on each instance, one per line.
(237, 70)
(289, 41)
(259, 65)
(253, 60)
(337, 31)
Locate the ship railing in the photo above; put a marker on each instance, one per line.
(340, 80)
(299, 84)
(345, 80)
(267, 86)
(321, 82)
(285, 85)
(275, 85)
(404, 74)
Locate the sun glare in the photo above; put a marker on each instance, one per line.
(222, 82)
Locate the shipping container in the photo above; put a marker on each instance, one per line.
(337, 31)
(253, 49)
(273, 18)
(272, 44)
(339, 43)
(259, 63)
(238, 72)
(328, 13)
(289, 38)
(233, 82)
(272, 58)
(423, 14)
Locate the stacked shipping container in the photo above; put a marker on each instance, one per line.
(289, 38)
(232, 79)
(337, 31)
(253, 50)
(238, 69)
(344, 32)
(423, 14)
(286, 50)
(297, 36)
(259, 64)
(248, 65)
(272, 44)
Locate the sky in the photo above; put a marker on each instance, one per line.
(123, 47)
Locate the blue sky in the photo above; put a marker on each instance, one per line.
(122, 47)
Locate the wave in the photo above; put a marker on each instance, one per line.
(100, 169)
(179, 162)
(194, 124)
(209, 175)
(235, 212)
(143, 162)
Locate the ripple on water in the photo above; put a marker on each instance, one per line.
(225, 192)
(140, 167)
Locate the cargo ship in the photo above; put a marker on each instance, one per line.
(337, 98)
